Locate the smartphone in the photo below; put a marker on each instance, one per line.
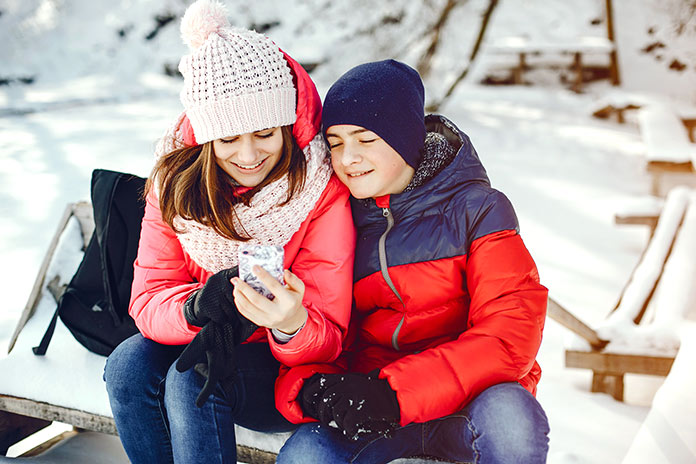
(268, 257)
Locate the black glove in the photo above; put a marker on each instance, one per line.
(217, 343)
(211, 352)
(313, 390)
(360, 405)
(214, 301)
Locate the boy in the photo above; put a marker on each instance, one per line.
(449, 310)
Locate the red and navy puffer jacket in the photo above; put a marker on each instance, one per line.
(447, 298)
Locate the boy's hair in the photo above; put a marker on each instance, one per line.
(192, 185)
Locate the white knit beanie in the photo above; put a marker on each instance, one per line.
(235, 80)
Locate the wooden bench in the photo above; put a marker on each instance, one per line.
(619, 104)
(29, 402)
(668, 148)
(523, 48)
(638, 335)
(66, 384)
(642, 211)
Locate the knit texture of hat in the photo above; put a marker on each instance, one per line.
(235, 81)
(385, 97)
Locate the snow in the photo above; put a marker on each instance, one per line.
(667, 434)
(99, 100)
(675, 295)
(665, 138)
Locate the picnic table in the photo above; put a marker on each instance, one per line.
(524, 47)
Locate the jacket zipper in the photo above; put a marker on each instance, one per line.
(386, 212)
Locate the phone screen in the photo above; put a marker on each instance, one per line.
(268, 257)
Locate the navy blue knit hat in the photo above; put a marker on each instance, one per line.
(385, 97)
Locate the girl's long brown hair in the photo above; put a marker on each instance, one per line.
(193, 186)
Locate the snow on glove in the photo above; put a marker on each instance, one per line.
(360, 405)
(313, 390)
(214, 301)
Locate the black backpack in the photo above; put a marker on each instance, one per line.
(94, 306)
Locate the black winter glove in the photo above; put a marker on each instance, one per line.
(214, 301)
(313, 390)
(360, 405)
(211, 352)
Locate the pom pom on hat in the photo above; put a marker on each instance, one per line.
(201, 19)
(236, 81)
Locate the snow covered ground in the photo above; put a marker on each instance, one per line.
(565, 172)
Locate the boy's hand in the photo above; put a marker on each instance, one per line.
(313, 390)
(360, 404)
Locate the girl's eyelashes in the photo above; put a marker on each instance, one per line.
(368, 141)
(265, 135)
(334, 145)
(232, 140)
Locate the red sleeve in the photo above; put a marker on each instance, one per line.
(506, 319)
(161, 281)
(325, 264)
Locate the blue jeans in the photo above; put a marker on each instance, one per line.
(154, 405)
(504, 424)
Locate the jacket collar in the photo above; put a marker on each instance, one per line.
(465, 168)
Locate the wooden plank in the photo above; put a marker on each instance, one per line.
(45, 446)
(617, 364)
(612, 384)
(50, 412)
(82, 210)
(564, 317)
(668, 166)
(640, 220)
(15, 427)
(38, 283)
(254, 455)
(104, 424)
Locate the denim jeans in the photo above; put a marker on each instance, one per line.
(504, 424)
(154, 405)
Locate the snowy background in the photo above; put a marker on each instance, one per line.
(87, 85)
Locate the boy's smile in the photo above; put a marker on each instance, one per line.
(365, 163)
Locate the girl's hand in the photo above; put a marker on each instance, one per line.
(285, 313)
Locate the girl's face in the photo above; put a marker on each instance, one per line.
(365, 163)
(250, 157)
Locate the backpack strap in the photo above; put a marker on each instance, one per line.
(104, 185)
(46, 339)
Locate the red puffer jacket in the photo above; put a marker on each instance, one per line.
(320, 253)
(448, 300)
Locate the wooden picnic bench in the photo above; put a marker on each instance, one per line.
(524, 47)
(657, 295)
(668, 148)
(65, 385)
(29, 404)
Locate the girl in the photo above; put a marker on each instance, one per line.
(244, 164)
(450, 310)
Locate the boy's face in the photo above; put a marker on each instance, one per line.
(365, 163)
